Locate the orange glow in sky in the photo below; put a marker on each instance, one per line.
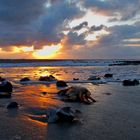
(47, 52)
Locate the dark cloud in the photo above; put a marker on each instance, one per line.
(97, 28)
(32, 22)
(18, 21)
(74, 39)
(80, 26)
(20, 12)
(119, 43)
(117, 10)
(118, 34)
(57, 16)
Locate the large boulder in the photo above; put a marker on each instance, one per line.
(61, 84)
(130, 82)
(5, 86)
(64, 114)
(76, 94)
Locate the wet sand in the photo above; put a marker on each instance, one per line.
(115, 115)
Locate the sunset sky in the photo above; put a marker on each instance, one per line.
(69, 29)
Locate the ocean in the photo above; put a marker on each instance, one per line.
(67, 62)
(70, 69)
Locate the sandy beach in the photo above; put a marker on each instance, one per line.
(114, 116)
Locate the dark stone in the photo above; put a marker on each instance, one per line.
(130, 82)
(43, 93)
(108, 75)
(6, 86)
(65, 114)
(75, 79)
(94, 78)
(61, 84)
(76, 94)
(24, 79)
(47, 78)
(12, 105)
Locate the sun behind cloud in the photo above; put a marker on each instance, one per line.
(47, 52)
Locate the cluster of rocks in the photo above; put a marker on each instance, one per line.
(70, 94)
(94, 77)
(41, 78)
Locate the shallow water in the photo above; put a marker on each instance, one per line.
(68, 73)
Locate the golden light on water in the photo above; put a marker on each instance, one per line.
(47, 52)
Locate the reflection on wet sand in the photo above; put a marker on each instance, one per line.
(32, 102)
(61, 73)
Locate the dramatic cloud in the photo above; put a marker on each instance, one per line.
(37, 23)
(33, 22)
(80, 26)
(118, 10)
(118, 34)
(121, 41)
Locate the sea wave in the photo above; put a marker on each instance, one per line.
(38, 63)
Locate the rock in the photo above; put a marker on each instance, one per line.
(5, 85)
(47, 78)
(64, 114)
(24, 79)
(61, 84)
(44, 93)
(130, 82)
(108, 75)
(75, 79)
(12, 105)
(94, 78)
(76, 94)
